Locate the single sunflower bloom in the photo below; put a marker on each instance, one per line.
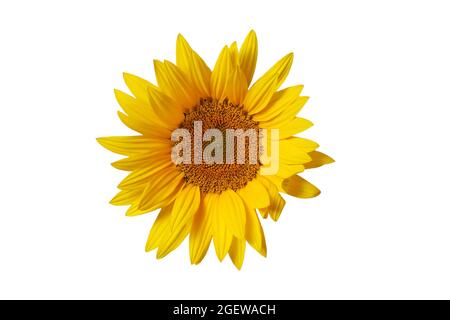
(212, 200)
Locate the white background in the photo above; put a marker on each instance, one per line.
(378, 74)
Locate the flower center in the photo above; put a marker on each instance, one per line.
(240, 158)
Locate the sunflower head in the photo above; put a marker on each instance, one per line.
(213, 150)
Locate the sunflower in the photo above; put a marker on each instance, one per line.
(211, 202)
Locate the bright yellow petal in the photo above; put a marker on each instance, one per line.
(296, 125)
(298, 187)
(259, 95)
(159, 229)
(234, 55)
(173, 82)
(137, 86)
(237, 252)
(248, 55)
(300, 143)
(281, 69)
(128, 145)
(141, 177)
(173, 239)
(194, 66)
(318, 159)
(284, 118)
(280, 102)
(221, 73)
(231, 207)
(142, 127)
(255, 194)
(237, 87)
(165, 108)
(141, 160)
(254, 232)
(288, 170)
(201, 232)
(276, 201)
(126, 197)
(161, 189)
(222, 235)
(185, 206)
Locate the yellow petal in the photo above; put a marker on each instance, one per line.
(292, 152)
(160, 189)
(165, 108)
(232, 208)
(248, 55)
(140, 160)
(194, 66)
(137, 125)
(254, 232)
(126, 197)
(288, 170)
(222, 235)
(255, 194)
(173, 82)
(220, 74)
(284, 118)
(281, 69)
(298, 187)
(237, 87)
(128, 145)
(139, 110)
(137, 86)
(296, 125)
(173, 239)
(276, 201)
(185, 206)
(201, 232)
(237, 252)
(159, 229)
(141, 177)
(279, 103)
(318, 159)
(234, 55)
(297, 143)
(259, 95)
